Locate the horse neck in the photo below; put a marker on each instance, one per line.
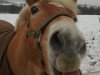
(20, 54)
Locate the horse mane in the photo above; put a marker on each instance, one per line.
(24, 16)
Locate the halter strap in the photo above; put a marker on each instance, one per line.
(37, 35)
(45, 23)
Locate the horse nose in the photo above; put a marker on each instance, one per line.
(60, 40)
(82, 48)
(63, 40)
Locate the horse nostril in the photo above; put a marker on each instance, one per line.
(55, 42)
(82, 48)
(59, 40)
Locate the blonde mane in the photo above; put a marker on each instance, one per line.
(24, 16)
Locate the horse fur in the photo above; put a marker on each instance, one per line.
(71, 4)
(23, 16)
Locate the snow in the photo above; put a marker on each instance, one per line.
(9, 18)
(90, 27)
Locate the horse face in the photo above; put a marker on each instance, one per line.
(62, 43)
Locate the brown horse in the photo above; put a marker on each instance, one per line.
(48, 43)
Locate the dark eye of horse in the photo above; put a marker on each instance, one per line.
(34, 10)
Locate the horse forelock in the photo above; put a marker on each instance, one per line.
(71, 4)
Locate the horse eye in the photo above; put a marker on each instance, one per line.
(34, 10)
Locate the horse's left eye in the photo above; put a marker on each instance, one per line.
(34, 10)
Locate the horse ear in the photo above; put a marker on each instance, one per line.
(31, 2)
(75, 1)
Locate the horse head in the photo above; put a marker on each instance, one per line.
(62, 44)
(47, 40)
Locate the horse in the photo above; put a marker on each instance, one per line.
(47, 43)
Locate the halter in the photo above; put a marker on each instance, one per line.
(52, 14)
(37, 36)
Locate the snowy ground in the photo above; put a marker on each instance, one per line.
(90, 26)
(9, 17)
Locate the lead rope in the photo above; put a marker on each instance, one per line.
(38, 50)
(38, 47)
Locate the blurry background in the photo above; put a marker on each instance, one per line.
(85, 6)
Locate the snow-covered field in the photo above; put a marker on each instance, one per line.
(9, 17)
(90, 26)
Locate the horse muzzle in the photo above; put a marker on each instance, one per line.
(66, 51)
(63, 41)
